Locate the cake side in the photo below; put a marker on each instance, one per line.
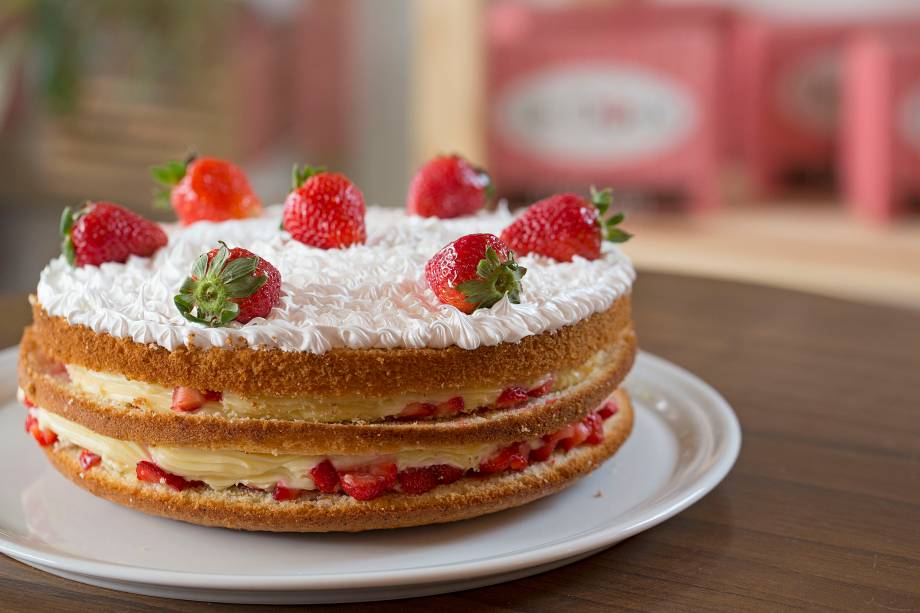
(243, 509)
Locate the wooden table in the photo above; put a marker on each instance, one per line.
(821, 511)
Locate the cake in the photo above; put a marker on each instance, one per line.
(360, 398)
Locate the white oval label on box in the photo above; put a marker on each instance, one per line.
(595, 113)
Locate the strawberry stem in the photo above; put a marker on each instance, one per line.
(602, 200)
(300, 174)
(208, 296)
(496, 279)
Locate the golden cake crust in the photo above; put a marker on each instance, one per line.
(243, 510)
(371, 372)
(534, 419)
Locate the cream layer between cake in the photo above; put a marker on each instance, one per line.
(221, 469)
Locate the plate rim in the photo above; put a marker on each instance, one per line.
(718, 411)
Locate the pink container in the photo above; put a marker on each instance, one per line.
(787, 77)
(607, 96)
(880, 163)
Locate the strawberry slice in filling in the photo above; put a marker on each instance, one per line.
(368, 482)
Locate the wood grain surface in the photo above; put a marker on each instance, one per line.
(822, 510)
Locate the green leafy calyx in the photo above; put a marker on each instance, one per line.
(300, 174)
(495, 279)
(68, 219)
(167, 175)
(207, 296)
(602, 200)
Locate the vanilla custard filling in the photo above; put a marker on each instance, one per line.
(225, 468)
(117, 389)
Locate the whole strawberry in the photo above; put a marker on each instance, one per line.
(324, 209)
(229, 285)
(448, 186)
(206, 189)
(474, 272)
(566, 225)
(105, 232)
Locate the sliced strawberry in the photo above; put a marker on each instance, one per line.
(187, 399)
(368, 482)
(211, 396)
(416, 410)
(88, 459)
(420, 480)
(595, 424)
(451, 406)
(282, 493)
(151, 473)
(512, 457)
(550, 442)
(512, 397)
(608, 409)
(325, 477)
(59, 370)
(543, 389)
(42, 437)
(27, 403)
(580, 433)
(448, 474)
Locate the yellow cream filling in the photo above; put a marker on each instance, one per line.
(225, 467)
(118, 389)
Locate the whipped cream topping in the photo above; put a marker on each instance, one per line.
(365, 296)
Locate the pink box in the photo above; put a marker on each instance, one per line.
(788, 93)
(880, 164)
(625, 97)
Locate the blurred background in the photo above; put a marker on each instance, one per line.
(772, 141)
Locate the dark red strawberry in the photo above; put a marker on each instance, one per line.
(42, 437)
(566, 225)
(474, 272)
(448, 186)
(229, 285)
(104, 232)
(543, 389)
(512, 397)
(368, 482)
(608, 409)
(325, 477)
(418, 410)
(577, 434)
(151, 473)
(206, 189)
(543, 452)
(420, 480)
(282, 493)
(88, 459)
(324, 210)
(513, 457)
(595, 424)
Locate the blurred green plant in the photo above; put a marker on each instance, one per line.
(152, 40)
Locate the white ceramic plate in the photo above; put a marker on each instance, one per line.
(685, 440)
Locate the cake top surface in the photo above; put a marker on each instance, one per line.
(364, 296)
